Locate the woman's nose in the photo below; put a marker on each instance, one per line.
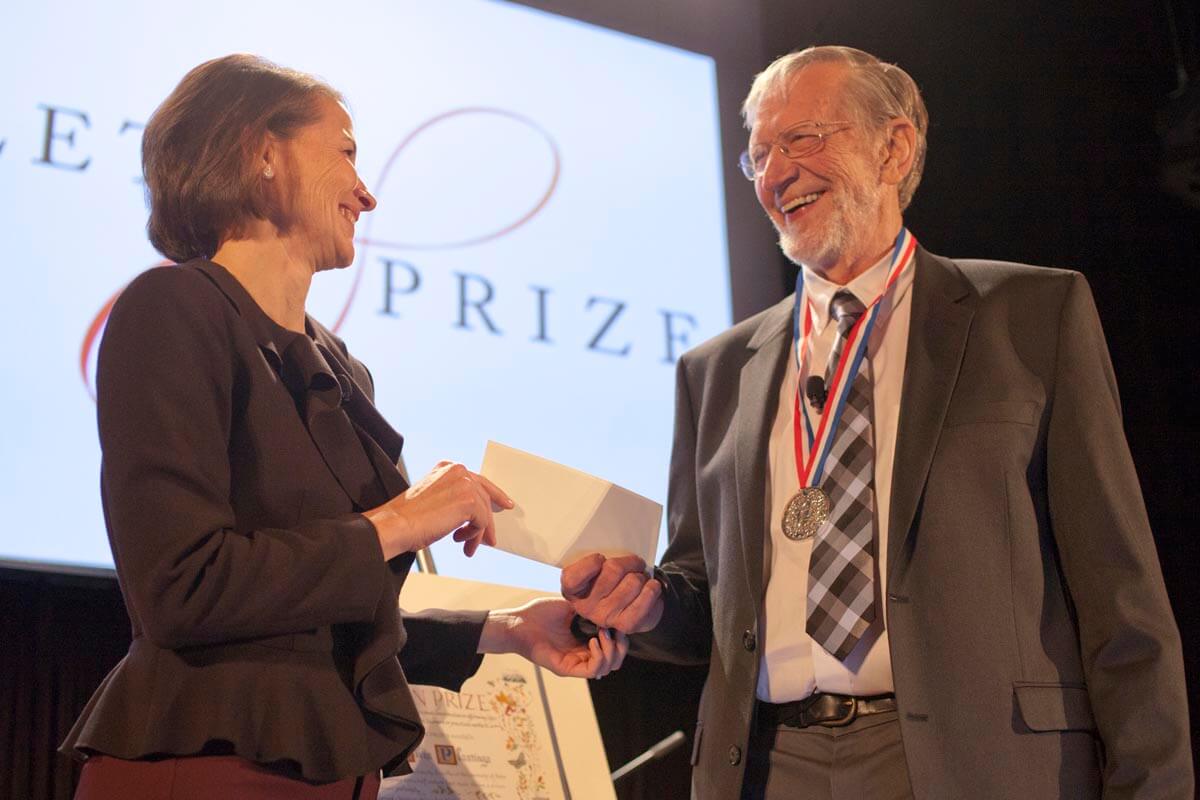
(365, 197)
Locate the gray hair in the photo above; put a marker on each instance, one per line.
(879, 92)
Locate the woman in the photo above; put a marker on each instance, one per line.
(260, 527)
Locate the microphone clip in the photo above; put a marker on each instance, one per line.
(815, 391)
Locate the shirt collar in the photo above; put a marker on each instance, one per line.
(866, 287)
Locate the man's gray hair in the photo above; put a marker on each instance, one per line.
(879, 92)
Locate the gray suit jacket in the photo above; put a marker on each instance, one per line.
(1033, 648)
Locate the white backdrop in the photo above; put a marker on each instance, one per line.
(563, 177)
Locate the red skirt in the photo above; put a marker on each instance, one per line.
(205, 778)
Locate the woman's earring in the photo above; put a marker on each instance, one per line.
(268, 173)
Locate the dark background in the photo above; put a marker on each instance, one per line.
(1048, 144)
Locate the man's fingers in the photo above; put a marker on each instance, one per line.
(629, 563)
(577, 577)
(611, 606)
(642, 613)
(613, 572)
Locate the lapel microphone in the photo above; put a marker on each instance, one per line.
(814, 390)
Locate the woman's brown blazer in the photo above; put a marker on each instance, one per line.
(265, 621)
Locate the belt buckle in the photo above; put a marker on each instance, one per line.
(851, 714)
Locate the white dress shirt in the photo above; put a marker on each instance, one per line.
(793, 665)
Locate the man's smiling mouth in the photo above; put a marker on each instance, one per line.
(797, 203)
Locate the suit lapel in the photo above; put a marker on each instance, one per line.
(943, 305)
(394, 482)
(758, 399)
(379, 439)
(319, 392)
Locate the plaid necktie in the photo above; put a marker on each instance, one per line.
(841, 572)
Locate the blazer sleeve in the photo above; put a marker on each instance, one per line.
(441, 647)
(166, 383)
(684, 634)
(1128, 639)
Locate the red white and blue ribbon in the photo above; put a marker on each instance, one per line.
(810, 459)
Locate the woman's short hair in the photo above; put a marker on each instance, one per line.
(878, 92)
(199, 149)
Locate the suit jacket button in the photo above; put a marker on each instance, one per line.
(748, 641)
(735, 755)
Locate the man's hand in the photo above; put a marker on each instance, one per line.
(613, 592)
(540, 631)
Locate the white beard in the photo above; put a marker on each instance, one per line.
(855, 211)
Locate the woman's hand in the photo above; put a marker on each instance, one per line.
(449, 498)
(540, 631)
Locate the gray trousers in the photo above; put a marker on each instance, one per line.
(861, 761)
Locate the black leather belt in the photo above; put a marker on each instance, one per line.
(830, 710)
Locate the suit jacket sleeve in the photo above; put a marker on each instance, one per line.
(684, 635)
(166, 396)
(1129, 643)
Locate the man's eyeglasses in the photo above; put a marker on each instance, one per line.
(798, 141)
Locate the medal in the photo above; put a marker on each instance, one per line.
(805, 512)
(809, 509)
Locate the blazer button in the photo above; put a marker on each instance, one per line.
(748, 641)
(735, 755)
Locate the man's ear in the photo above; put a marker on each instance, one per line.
(899, 150)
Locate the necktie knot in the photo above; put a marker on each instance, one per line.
(845, 309)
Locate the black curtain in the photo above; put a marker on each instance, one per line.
(59, 637)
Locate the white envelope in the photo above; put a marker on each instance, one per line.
(562, 514)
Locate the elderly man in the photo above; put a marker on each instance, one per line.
(906, 532)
